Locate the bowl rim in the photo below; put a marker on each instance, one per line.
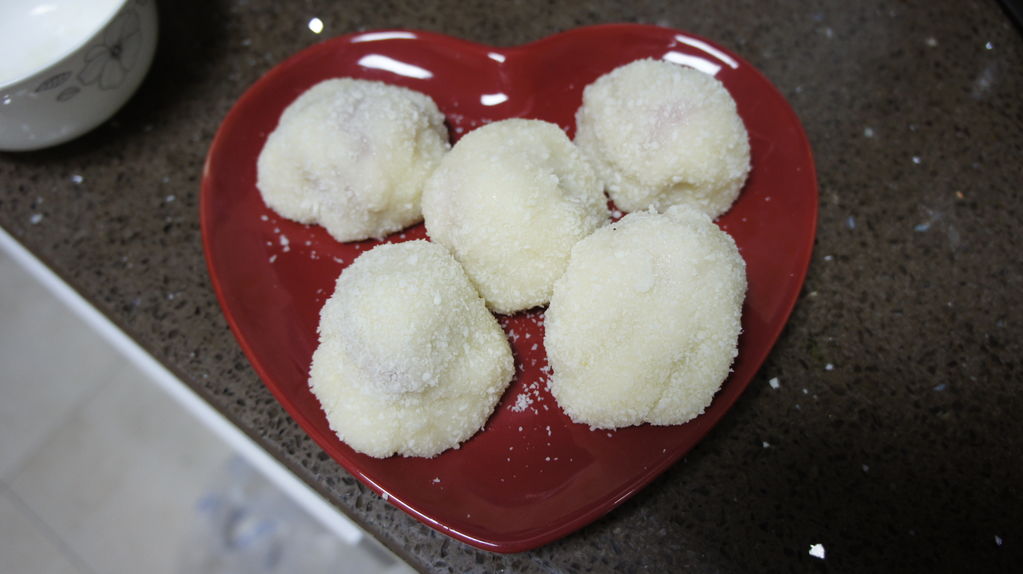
(109, 17)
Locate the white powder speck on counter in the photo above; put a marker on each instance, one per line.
(817, 551)
(866, 468)
(774, 383)
(169, 198)
(998, 540)
(77, 179)
(829, 367)
(35, 218)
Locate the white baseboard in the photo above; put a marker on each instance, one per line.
(318, 507)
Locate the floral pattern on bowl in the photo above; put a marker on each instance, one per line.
(80, 91)
(106, 64)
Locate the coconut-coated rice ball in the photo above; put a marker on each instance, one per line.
(410, 360)
(510, 200)
(643, 326)
(660, 134)
(352, 156)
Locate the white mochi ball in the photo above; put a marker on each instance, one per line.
(352, 156)
(410, 360)
(643, 326)
(660, 134)
(510, 200)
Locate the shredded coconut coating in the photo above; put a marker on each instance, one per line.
(643, 327)
(510, 200)
(410, 361)
(352, 156)
(660, 134)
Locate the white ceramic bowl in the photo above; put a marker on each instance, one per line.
(68, 65)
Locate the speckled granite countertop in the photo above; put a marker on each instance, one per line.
(894, 438)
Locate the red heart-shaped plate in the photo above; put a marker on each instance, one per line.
(531, 476)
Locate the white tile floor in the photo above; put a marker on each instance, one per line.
(102, 471)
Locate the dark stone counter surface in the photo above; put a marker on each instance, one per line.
(894, 438)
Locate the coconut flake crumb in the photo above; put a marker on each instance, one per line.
(817, 551)
(829, 367)
(774, 383)
(77, 178)
(436, 480)
(35, 218)
(522, 402)
(998, 540)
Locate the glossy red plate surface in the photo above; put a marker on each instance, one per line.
(531, 476)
